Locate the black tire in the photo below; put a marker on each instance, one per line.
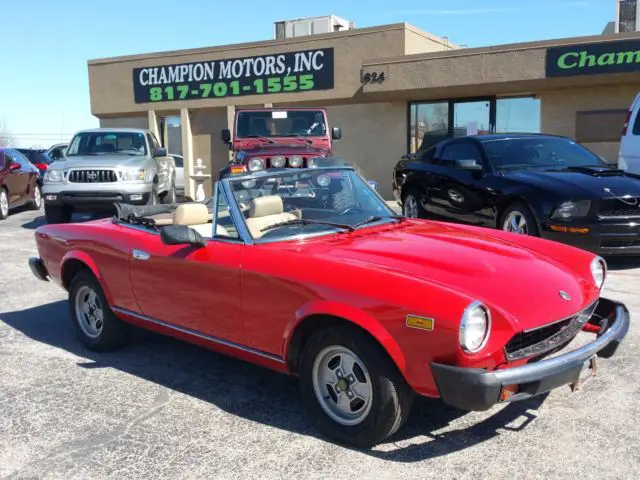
(153, 197)
(170, 196)
(4, 203)
(413, 193)
(523, 210)
(57, 214)
(36, 203)
(113, 332)
(391, 396)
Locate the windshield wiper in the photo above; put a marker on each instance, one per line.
(301, 221)
(377, 218)
(259, 137)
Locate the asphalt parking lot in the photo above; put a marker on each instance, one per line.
(164, 409)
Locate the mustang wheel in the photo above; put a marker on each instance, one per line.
(37, 199)
(518, 219)
(351, 388)
(96, 325)
(4, 204)
(411, 207)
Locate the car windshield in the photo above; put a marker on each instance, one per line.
(36, 156)
(282, 123)
(283, 206)
(108, 143)
(516, 153)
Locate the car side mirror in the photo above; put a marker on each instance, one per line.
(336, 133)
(225, 135)
(14, 166)
(469, 164)
(160, 152)
(181, 235)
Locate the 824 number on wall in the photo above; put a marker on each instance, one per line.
(372, 77)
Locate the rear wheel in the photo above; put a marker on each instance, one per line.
(411, 206)
(350, 387)
(517, 218)
(57, 213)
(96, 325)
(36, 203)
(4, 204)
(170, 196)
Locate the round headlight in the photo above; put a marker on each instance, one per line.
(256, 164)
(474, 327)
(295, 161)
(278, 162)
(599, 271)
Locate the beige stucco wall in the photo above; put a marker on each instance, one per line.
(125, 122)
(206, 125)
(559, 108)
(374, 136)
(421, 42)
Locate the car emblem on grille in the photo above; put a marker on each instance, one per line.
(92, 175)
(565, 296)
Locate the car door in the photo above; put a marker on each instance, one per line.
(197, 289)
(17, 180)
(459, 189)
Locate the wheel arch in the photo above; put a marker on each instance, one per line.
(74, 262)
(509, 200)
(326, 314)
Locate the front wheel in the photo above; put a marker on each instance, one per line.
(170, 196)
(96, 325)
(36, 203)
(517, 218)
(350, 387)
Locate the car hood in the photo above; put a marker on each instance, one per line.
(523, 284)
(99, 161)
(586, 182)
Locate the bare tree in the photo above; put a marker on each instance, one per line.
(6, 140)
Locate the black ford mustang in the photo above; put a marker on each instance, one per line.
(539, 185)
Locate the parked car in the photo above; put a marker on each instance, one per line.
(179, 162)
(18, 182)
(538, 185)
(310, 273)
(38, 158)
(629, 153)
(108, 165)
(57, 151)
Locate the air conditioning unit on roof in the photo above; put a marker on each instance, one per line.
(311, 26)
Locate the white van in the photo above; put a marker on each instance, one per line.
(629, 157)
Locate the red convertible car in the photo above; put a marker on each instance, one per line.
(308, 272)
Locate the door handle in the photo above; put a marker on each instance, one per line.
(140, 255)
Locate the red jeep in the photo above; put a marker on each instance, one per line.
(278, 138)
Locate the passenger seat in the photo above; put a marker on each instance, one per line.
(267, 211)
(197, 216)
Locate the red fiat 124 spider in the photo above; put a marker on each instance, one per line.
(307, 271)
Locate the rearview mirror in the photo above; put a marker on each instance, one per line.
(181, 235)
(160, 152)
(468, 164)
(336, 133)
(225, 135)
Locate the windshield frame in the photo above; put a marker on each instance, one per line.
(225, 188)
(289, 111)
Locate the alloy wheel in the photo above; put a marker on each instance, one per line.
(4, 203)
(89, 312)
(516, 223)
(342, 385)
(410, 207)
(37, 197)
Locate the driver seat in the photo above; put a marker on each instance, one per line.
(197, 216)
(267, 211)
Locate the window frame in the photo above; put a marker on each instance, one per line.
(486, 164)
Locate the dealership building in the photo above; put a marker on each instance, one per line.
(387, 87)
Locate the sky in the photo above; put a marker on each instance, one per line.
(44, 92)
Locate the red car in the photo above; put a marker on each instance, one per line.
(365, 307)
(18, 182)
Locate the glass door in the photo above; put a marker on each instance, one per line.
(472, 117)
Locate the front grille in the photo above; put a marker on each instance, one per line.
(619, 208)
(549, 337)
(620, 243)
(92, 176)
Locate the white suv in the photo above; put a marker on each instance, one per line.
(629, 157)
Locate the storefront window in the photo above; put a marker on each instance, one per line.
(429, 122)
(521, 115)
(171, 128)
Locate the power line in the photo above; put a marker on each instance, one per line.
(11, 134)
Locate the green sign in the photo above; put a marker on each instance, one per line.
(591, 59)
(279, 73)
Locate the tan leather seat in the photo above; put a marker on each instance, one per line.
(266, 211)
(197, 216)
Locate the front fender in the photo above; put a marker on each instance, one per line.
(350, 314)
(86, 259)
